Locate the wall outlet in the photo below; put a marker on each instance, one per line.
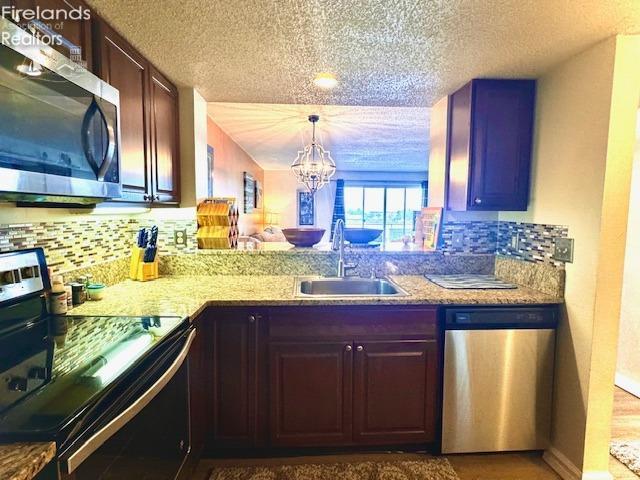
(180, 238)
(457, 239)
(563, 251)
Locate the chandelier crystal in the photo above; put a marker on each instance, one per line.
(313, 167)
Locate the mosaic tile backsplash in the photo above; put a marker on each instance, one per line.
(475, 236)
(86, 243)
(536, 241)
(72, 245)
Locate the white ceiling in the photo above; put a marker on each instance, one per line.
(384, 52)
(359, 138)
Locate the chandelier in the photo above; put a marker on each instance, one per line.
(313, 167)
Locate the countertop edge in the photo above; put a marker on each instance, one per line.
(33, 457)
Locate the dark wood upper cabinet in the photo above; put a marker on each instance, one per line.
(164, 138)
(310, 385)
(490, 142)
(395, 392)
(76, 33)
(148, 119)
(124, 68)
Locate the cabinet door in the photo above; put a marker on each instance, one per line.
(502, 123)
(311, 393)
(395, 391)
(235, 384)
(76, 33)
(121, 66)
(164, 138)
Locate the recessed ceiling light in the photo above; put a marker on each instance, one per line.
(325, 80)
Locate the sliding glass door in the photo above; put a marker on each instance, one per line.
(386, 207)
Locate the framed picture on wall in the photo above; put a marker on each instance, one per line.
(209, 171)
(306, 208)
(259, 193)
(249, 193)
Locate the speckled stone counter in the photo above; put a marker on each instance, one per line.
(23, 461)
(188, 295)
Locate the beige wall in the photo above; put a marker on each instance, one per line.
(280, 197)
(230, 161)
(581, 179)
(193, 147)
(628, 367)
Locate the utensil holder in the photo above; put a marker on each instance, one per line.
(139, 270)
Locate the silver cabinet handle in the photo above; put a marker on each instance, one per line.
(359, 348)
(106, 432)
(252, 318)
(348, 348)
(477, 201)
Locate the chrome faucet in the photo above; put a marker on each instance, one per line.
(338, 245)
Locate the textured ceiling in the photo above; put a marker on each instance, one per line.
(359, 138)
(384, 52)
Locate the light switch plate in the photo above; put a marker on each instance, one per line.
(515, 241)
(180, 238)
(563, 251)
(457, 239)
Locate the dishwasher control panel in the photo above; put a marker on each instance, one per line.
(501, 317)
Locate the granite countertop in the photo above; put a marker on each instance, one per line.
(188, 295)
(23, 461)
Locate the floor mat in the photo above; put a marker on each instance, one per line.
(628, 452)
(427, 469)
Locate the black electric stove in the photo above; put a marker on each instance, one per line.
(79, 380)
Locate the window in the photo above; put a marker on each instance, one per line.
(390, 208)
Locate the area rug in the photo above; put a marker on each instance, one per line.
(628, 452)
(428, 469)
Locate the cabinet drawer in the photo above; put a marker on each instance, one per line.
(349, 322)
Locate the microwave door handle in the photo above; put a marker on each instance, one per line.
(102, 169)
(86, 131)
(74, 460)
(111, 147)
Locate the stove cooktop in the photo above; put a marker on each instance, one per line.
(54, 368)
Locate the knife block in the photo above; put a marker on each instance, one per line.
(140, 271)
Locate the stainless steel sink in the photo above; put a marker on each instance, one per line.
(347, 287)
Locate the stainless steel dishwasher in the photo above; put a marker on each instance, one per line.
(498, 377)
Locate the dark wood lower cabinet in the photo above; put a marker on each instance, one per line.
(394, 398)
(273, 380)
(310, 386)
(235, 370)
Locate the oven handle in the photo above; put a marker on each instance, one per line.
(97, 439)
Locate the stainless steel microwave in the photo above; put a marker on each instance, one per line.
(59, 125)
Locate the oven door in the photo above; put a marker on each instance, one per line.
(58, 125)
(145, 433)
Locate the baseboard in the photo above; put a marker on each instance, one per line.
(567, 470)
(561, 464)
(597, 476)
(628, 384)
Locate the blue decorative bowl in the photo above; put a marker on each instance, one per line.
(361, 236)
